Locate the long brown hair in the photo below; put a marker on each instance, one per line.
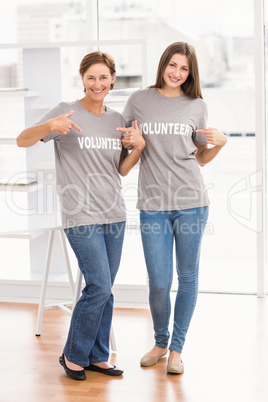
(97, 58)
(191, 86)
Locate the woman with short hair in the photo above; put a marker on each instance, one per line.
(89, 161)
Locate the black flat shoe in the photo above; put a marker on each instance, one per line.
(74, 374)
(114, 371)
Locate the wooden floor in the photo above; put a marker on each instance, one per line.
(225, 356)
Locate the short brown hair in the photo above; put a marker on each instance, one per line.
(96, 58)
(191, 86)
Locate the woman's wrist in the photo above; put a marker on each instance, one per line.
(141, 145)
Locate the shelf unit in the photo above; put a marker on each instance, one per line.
(18, 92)
(20, 188)
(37, 63)
(8, 141)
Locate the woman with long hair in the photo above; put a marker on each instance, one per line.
(172, 197)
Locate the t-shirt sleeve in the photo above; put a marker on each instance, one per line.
(128, 111)
(51, 114)
(124, 151)
(201, 123)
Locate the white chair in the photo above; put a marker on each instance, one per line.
(62, 306)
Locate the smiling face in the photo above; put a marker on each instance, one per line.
(97, 81)
(176, 73)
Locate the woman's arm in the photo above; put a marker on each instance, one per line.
(60, 124)
(214, 137)
(132, 139)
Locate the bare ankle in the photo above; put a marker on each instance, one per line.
(72, 366)
(157, 351)
(174, 357)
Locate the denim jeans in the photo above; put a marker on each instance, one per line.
(98, 250)
(158, 231)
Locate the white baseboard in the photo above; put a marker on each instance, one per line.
(28, 291)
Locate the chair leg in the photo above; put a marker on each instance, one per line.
(112, 339)
(44, 284)
(67, 261)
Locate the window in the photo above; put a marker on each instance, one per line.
(224, 43)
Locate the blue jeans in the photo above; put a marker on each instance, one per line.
(158, 231)
(98, 250)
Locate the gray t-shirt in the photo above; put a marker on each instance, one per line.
(88, 182)
(169, 177)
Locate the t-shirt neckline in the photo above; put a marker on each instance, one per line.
(92, 114)
(168, 97)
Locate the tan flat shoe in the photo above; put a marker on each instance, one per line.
(147, 361)
(175, 368)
